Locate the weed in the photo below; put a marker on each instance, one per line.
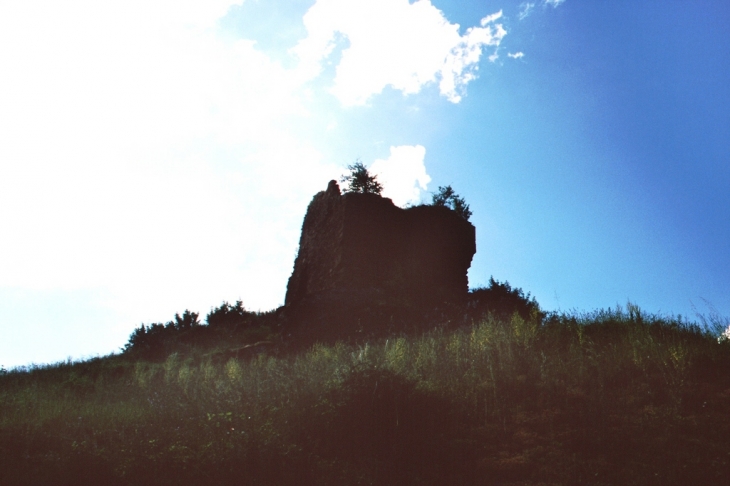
(616, 396)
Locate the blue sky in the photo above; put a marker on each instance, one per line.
(160, 155)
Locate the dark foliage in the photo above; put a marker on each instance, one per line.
(361, 181)
(448, 198)
(610, 397)
(187, 321)
(502, 300)
(150, 340)
(226, 327)
(230, 316)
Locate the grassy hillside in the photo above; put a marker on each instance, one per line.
(610, 398)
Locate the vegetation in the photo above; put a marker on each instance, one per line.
(448, 198)
(502, 300)
(506, 395)
(227, 327)
(361, 181)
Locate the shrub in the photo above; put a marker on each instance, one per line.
(150, 340)
(448, 198)
(503, 301)
(229, 316)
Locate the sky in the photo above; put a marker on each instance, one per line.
(159, 155)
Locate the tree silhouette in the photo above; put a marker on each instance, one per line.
(448, 198)
(187, 321)
(360, 180)
(230, 316)
(152, 340)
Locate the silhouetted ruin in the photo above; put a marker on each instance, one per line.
(361, 258)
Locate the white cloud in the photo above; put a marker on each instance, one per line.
(158, 87)
(403, 174)
(392, 43)
(526, 9)
(490, 18)
(516, 55)
(145, 155)
(462, 62)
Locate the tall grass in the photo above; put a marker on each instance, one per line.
(611, 397)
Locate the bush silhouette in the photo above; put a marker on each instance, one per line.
(151, 340)
(148, 340)
(229, 316)
(448, 198)
(503, 301)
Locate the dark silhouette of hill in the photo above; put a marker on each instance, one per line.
(382, 368)
(611, 397)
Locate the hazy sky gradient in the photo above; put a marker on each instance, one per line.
(159, 156)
